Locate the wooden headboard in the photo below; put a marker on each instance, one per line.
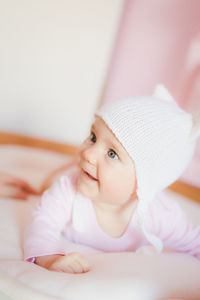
(179, 187)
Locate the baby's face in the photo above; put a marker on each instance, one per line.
(107, 173)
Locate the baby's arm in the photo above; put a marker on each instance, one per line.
(71, 263)
(43, 238)
(13, 187)
(170, 223)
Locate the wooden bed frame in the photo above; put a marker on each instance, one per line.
(180, 187)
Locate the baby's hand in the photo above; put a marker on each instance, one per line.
(147, 250)
(70, 263)
(13, 187)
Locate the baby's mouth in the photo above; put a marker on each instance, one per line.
(87, 175)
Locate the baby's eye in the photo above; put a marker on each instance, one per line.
(112, 154)
(93, 138)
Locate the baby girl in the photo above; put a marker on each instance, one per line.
(110, 200)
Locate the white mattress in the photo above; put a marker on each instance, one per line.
(113, 276)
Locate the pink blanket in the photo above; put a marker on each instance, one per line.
(113, 275)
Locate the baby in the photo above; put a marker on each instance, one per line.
(110, 200)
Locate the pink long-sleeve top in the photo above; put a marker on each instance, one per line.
(64, 212)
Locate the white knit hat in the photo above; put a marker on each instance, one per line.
(159, 137)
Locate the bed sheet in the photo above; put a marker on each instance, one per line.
(113, 275)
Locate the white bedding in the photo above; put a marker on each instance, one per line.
(113, 276)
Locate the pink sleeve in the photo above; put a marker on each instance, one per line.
(44, 233)
(170, 223)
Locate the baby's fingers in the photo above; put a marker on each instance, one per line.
(13, 192)
(84, 266)
(25, 186)
(70, 263)
(83, 262)
(11, 181)
(77, 267)
(76, 262)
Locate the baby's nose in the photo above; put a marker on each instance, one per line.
(90, 155)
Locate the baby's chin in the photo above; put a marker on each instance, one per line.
(85, 191)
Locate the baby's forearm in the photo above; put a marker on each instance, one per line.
(47, 260)
(70, 263)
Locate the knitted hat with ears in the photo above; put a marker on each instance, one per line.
(160, 138)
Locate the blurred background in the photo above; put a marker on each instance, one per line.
(59, 60)
(54, 57)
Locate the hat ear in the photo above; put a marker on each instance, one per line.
(162, 93)
(195, 131)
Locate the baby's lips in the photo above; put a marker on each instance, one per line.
(89, 173)
(92, 177)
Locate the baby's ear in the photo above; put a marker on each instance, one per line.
(195, 131)
(162, 93)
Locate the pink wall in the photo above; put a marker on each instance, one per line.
(152, 46)
(159, 41)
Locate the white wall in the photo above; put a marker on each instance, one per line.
(53, 61)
